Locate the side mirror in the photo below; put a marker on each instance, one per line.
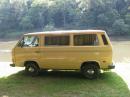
(21, 44)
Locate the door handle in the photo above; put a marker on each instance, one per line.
(37, 51)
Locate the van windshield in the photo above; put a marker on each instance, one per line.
(29, 41)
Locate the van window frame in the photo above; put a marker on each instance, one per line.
(39, 43)
(97, 35)
(106, 39)
(43, 40)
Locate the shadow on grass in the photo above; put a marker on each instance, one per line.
(63, 84)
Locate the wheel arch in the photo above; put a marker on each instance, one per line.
(28, 61)
(89, 62)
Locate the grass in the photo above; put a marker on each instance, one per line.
(63, 84)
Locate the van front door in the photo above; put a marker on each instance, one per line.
(27, 50)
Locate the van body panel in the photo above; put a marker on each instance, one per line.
(26, 54)
(64, 57)
(73, 57)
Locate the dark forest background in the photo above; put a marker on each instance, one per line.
(21, 16)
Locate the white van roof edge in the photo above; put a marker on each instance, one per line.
(66, 32)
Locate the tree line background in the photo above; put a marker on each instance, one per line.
(20, 16)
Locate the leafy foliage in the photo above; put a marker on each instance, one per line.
(110, 15)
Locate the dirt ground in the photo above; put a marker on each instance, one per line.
(5, 50)
(121, 49)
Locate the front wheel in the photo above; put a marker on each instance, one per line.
(90, 71)
(31, 68)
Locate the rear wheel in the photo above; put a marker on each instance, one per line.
(90, 71)
(32, 69)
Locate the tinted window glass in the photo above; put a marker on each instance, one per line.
(57, 40)
(86, 40)
(104, 40)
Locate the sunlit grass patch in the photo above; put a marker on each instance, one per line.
(63, 84)
(123, 70)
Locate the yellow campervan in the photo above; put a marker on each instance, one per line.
(86, 50)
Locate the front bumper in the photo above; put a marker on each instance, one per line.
(111, 66)
(12, 65)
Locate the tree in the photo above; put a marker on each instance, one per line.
(127, 18)
(119, 27)
(111, 15)
(26, 23)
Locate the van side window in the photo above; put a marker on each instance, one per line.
(86, 40)
(57, 40)
(104, 40)
(29, 41)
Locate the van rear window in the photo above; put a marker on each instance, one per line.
(57, 40)
(104, 40)
(86, 40)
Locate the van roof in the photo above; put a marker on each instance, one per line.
(66, 32)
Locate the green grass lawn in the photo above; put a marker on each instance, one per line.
(63, 84)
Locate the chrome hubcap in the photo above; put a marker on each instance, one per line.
(31, 69)
(90, 71)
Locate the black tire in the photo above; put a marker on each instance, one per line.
(90, 71)
(31, 69)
